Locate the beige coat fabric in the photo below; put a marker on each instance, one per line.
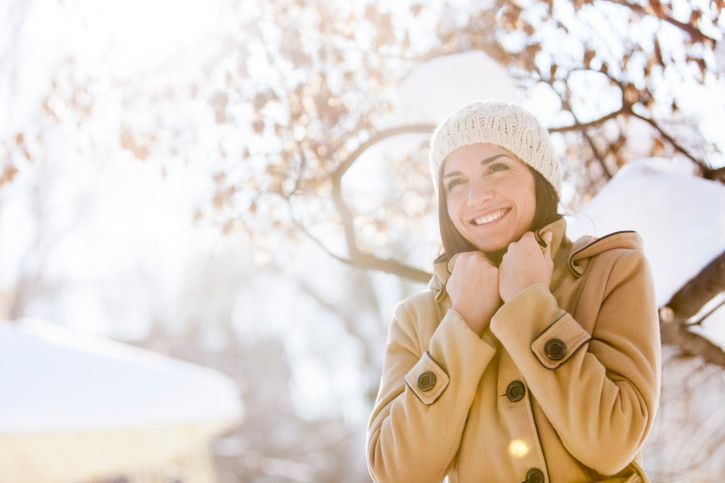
(562, 387)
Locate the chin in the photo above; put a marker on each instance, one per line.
(491, 247)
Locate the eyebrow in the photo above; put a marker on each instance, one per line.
(485, 161)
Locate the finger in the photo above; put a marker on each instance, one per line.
(529, 241)
(548, 237)
(451, 263)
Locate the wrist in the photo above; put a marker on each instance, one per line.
(519, 290)
(477, 323)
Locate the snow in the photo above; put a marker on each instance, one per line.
(426, 94)
(55, 379)
(681, 218)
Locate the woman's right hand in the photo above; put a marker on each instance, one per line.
(473, 289)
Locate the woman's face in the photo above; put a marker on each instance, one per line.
(490, 195)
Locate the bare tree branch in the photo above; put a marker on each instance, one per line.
(678, 147)
(691, 30)
(356, 256)
(677, 335)
(582, 126)
(707, 314)
(625, 109)
(716, 174)
(687, 302)
(421, 128)
(346, 217)
(567, 105)
(387, 265)
(700, 289)
(367, 261)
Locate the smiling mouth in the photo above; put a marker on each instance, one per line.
(491, 218)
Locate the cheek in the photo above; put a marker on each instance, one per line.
(531, 194)
(530, 204)
(528, 198)
(525, 192)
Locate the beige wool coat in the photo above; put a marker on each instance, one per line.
(562, 387)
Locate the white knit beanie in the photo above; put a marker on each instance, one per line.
(505, 124)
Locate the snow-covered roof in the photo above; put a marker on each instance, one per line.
(680, 216)
(54, 379)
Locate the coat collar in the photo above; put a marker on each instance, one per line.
(442, 269)
(567, 256)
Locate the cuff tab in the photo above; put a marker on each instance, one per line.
(427, 379)
(556, 344)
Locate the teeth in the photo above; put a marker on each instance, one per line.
(489, 218)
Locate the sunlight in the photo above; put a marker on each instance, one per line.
(518, 448)
(140, 34)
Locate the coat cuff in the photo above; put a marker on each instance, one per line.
(455, 355)
(532, 321)
(557, 343)
(427, 379)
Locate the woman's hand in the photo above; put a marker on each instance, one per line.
(524, 264)
(473, 289)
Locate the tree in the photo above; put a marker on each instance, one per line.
(303, 92)
(295, 95)
(298, 92)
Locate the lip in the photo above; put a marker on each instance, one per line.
(486, 213)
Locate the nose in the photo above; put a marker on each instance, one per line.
(479, 193)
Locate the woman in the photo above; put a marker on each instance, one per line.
(530, 358)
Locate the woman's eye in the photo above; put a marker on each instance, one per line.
(498, 167)
(452, 183)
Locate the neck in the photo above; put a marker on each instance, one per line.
(496, 256)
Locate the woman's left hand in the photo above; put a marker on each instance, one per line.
(525, 263)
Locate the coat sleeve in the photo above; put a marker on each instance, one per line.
(600, 391)
(415, 428)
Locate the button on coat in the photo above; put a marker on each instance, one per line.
(515, 391)
(555, 349)
(534, 475)
(426, 381)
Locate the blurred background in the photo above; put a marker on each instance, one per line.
(209, 209)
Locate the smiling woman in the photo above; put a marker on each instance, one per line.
(531, 204)
(531, 357)
(490, 202)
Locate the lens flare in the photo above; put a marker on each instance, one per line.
(518, 448)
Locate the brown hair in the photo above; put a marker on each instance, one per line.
(453, 242)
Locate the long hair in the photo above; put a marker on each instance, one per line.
(453, 242)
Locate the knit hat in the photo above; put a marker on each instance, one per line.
(502, 123)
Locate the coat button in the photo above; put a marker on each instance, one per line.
(534, 475)
(426, 381)
(555, 349)
(515, 391)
